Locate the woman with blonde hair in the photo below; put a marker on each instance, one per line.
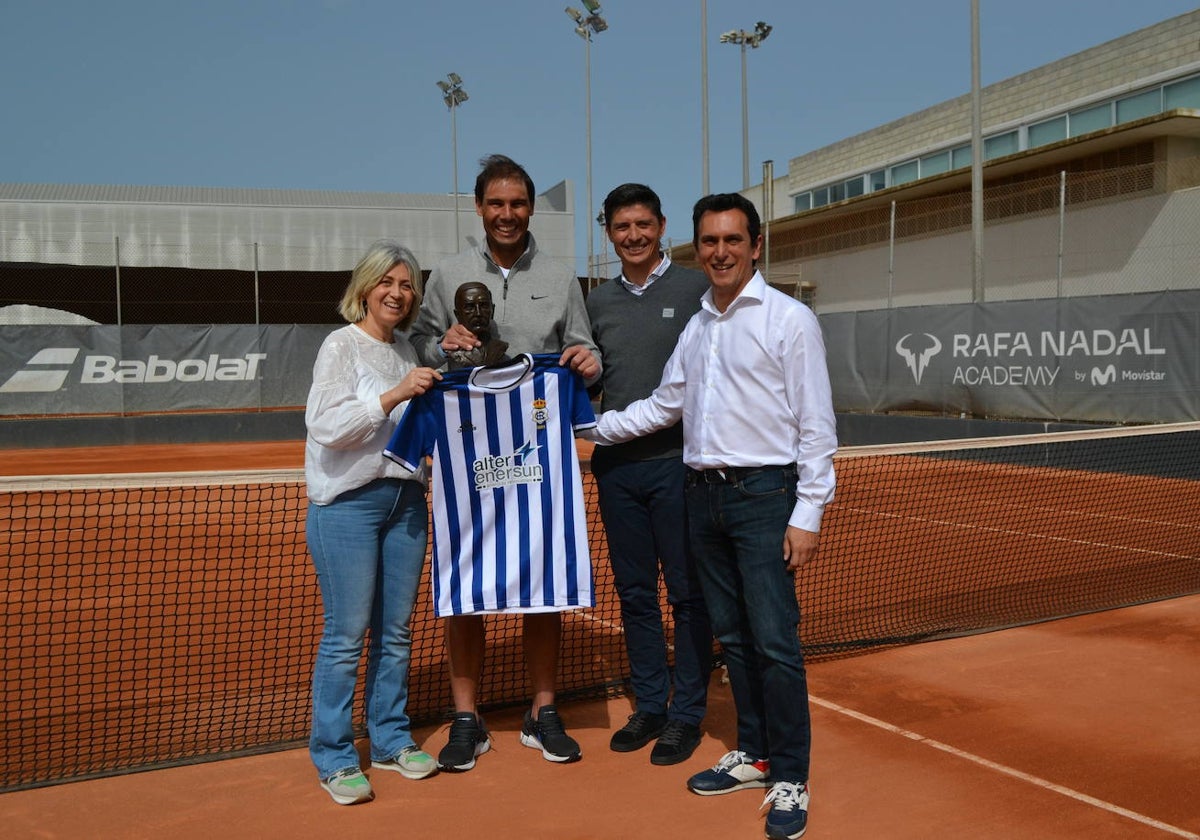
(367, 524)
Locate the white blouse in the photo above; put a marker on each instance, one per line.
(347, 429)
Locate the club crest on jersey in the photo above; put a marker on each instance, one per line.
(540, 415)
(493, 471)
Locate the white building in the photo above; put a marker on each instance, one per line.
(1090, 174)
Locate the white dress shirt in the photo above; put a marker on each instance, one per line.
(347, 429)
(752, 389)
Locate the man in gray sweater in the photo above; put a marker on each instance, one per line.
(636, 320)
(537, 308)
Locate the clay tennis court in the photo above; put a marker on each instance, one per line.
(1082, 727)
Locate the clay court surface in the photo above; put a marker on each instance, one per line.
(1086, 727)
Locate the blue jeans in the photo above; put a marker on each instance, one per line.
(737, 532)
(641, 503)
(368, 547)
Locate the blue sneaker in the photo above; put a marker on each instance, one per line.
(735, 771)
(788, 817)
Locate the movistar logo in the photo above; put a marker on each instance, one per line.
(918, 359)
(47, 371)
(1105, 376)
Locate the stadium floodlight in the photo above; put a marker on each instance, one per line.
(746, 39)
(453, 95)
(585, 25)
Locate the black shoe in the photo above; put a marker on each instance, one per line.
(546, 733)
(677, 743)
(642, 728)
(468, 739)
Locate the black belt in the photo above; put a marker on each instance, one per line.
(731, 475)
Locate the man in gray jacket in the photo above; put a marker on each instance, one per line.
(538, 308)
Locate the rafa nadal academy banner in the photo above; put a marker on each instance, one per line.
(1118, 358)
(106, 369)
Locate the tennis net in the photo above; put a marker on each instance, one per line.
(152, 620)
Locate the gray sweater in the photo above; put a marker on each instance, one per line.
(539, 306)
(636, 335)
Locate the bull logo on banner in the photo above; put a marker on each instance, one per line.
(918, 359)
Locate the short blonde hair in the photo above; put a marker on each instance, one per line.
(380, 258)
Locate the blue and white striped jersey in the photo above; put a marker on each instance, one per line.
(509, 525)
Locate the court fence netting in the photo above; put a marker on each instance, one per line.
(159, 619)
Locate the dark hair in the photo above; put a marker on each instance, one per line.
(497, 167)
(720, 203)
(628, 195)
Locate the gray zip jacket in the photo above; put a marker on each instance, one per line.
(539, 306)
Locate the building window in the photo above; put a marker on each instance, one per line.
(1089, 119)
(935, 164)
(802, 202)
(1185, 94)
(1140, 105)
(1050, 131)
(960, 157)
(854, 187)
(902, 173)
(820, 197)
(1001, 145)
(878, 179)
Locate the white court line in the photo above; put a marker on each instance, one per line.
(1009, 771)
(1008, 532)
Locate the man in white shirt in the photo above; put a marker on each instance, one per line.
(748, 378)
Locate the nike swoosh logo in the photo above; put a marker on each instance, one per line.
(538, 297)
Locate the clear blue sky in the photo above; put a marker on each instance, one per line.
(340, 95)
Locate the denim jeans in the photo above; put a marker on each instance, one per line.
(641, 503)
(368, 547)
(737, 531)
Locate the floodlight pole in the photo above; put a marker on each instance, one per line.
(704, 97)
(585, 25)
(454, 95)
(753, 40)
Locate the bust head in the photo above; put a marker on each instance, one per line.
(473, 308)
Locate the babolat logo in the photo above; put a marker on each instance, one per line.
(49, 368)
(46, 371)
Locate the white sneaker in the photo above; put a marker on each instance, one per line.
(411, 763)
(348, 787)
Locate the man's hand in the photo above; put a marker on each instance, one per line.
(581, 360)
(799, 547)
(459, 337)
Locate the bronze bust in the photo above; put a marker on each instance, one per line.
(474, 309)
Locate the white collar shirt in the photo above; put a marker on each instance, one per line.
(659, 271)
(752, 388)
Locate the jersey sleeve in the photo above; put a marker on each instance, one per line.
(415, 434)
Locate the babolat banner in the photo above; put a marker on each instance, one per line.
(48, 370)
(1119, 358)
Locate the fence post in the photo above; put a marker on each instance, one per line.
(1062, 219)
(891, 253)
(117, 265)
(256, 296)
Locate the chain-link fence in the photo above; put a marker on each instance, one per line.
(140, 279)
(1116, 223)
